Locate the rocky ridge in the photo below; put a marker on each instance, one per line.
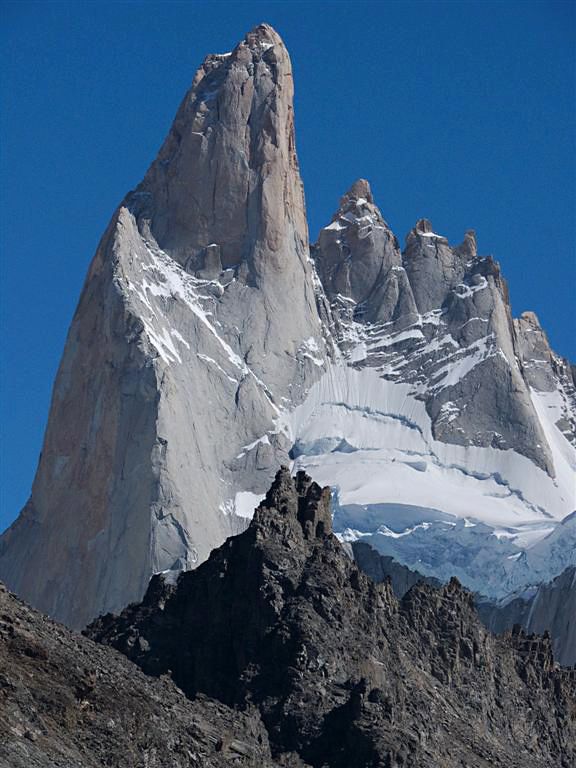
(281, 620)
(66, 702)
(546, 607)
(384, 568)
(424, 424)
(437, 317)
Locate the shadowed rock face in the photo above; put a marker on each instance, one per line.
(429, 312)
(383, 567)
(65, 701)
(339, 669)
(549, 608)
(358, 258)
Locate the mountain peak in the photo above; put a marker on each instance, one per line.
(203, 296)
(423, 233)
(360, 190)
(357, 248)
(263, 34)
(227, 173)
(297, 500)
(227, 347)
(468, 247)
(531, 319)
(424, 226)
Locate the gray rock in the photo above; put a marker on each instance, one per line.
(544, 371)
(546, 607)
(383, 567)
(206, 319)
(456, 306)
(358, 259)
(66, 702)
(197, 321)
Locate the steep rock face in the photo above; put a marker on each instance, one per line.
(435, 317)
(359, 262)
(341, 672)
(546, 373)
(445, 427)
(554, 609)
(549, 607)
(383, 567)
(196, 323)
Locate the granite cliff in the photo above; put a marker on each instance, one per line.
(212, 344)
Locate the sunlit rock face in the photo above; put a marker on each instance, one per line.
(196, 326)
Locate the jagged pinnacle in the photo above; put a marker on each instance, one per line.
(360, 189)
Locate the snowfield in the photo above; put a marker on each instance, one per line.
(422, 500)
(388, 438)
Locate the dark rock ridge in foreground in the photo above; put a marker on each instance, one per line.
(66, 702)
(342, 673)
(549, 607)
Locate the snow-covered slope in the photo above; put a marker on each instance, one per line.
(443, 426)
(375, 437)
(442, 508)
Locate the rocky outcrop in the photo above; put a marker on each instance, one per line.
(360, 265)
(547, 372)
(550, 607)
(436, 317)
(383, 568)
(65, 701)
(197, 322)
(546, 608)
(445, 427)
(341, 671)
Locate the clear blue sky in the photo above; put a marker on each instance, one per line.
(463, 112)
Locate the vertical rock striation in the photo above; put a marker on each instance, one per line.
(437, 317)
(197, 321)
(550, 607)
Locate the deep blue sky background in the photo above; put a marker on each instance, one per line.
(463, 112)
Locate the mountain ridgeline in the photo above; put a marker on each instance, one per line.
(279, 651)
(279, 619)
(212, 344)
